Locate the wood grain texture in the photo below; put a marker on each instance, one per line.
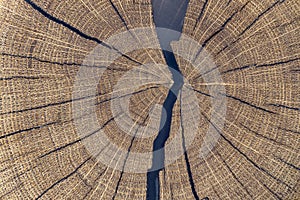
(256, 48)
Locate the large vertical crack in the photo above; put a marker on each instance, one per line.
(166, 14)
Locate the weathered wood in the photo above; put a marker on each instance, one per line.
(255, 48)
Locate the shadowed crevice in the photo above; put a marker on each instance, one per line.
(169, 15)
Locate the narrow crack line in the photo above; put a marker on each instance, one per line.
(126, 157)
(260, 16)
(59, 63)
(263, 136)
(247, 103)
(13, 178)
(238, 69)
(200, 15)
(47, 105)
(188, 167)
(55, 63)
(63, 179)
(289, 130)
(75, 30)
(14, 188)
(81, 177)
(276, 63)
(260, 65)
(28, 129)
(227, 4)
(137, 92)
(61, 22)
(75, 99)
(207, 72)
(295, 70)
(213, 188)
(272, 192)
(92, 168)
(220, 29)
(171, 188)
(203, 93)
(16, 158)
(22, 77)
(234, 175)
(119, 14)
(45, 125)
(284, 106)
(207, 40)
(97, 179)
(251, 24)
(4, 169)
(69, 175)
(245, 156)
(289, 164)
(55, 122)
(78, 140)
(213, 35)
(127, 28)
